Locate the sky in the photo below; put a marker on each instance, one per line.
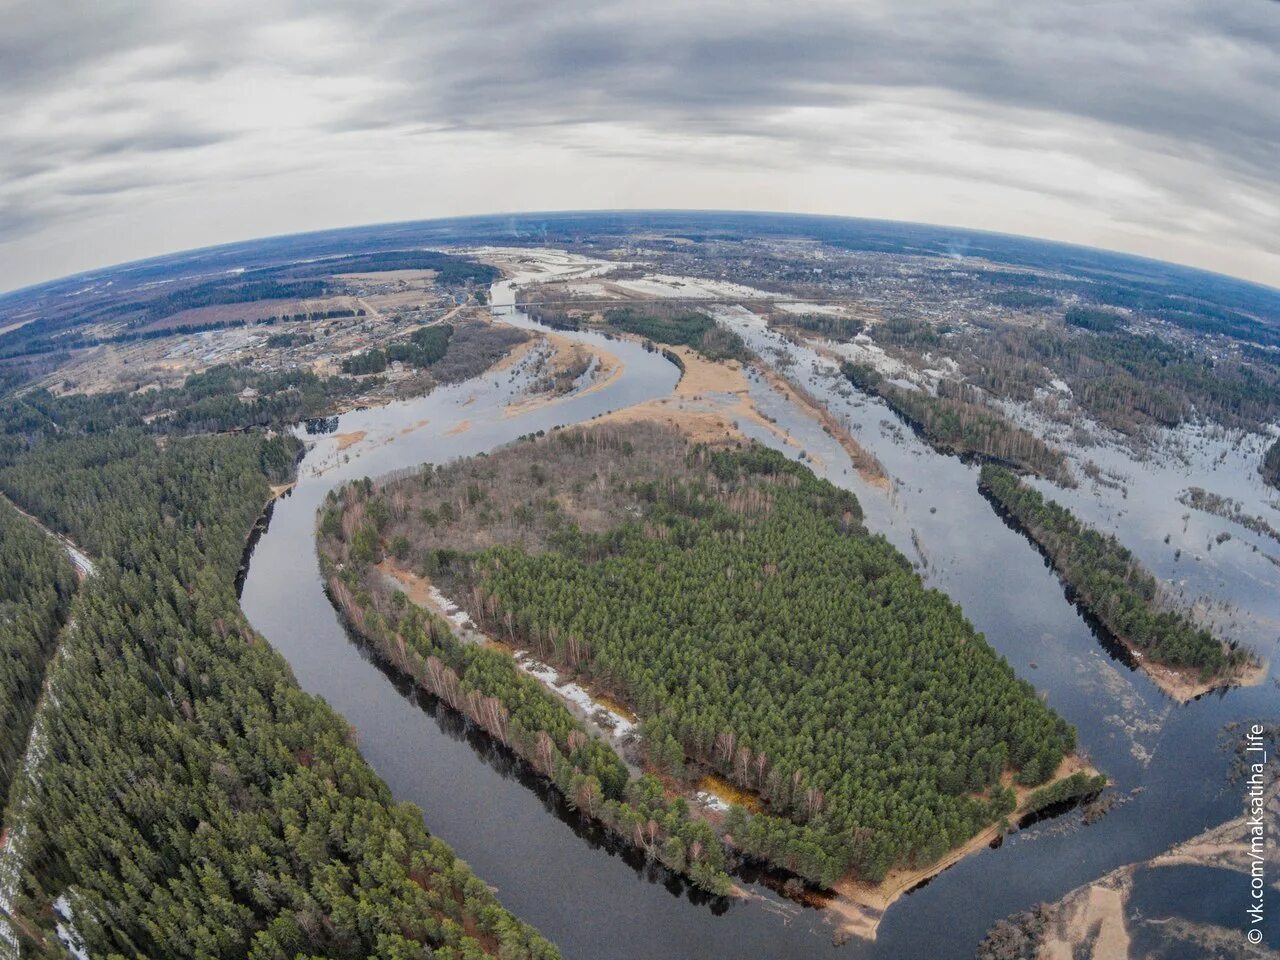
(130, 128)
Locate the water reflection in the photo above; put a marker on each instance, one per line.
(599, 899)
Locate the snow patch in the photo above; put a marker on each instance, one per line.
(577, 695)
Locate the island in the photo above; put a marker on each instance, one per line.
(703, 647)
(1106, 579)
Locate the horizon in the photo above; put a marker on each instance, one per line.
(137, 129)
(108, 268)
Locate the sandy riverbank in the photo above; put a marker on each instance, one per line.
(861, 906)
(566, 352)
(868, 467)
(708, 404)
(1095, 921)
(1184, 684)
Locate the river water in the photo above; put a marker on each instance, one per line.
(598, 902)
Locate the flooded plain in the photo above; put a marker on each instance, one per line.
(595, 900)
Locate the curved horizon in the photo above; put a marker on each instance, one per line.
(635, 212)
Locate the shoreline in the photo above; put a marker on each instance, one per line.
(856, 906)
(868, 467)
(861, 906)
(705, 404)
(611, 369)
(1182, 684)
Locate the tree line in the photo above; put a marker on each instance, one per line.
(486, 687)
(1270, 465)
(1108, 580)
(421, 348)
(1126, 381)
(956, 420)
(37, 585)
(1097, 319)
(735, 602)
(658, 323)
(193, 801)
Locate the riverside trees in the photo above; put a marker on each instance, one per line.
(956, 420)
(1108, 579)
(736, 603)
(193, 801)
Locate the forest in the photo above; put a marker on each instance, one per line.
(957, 421)
(193, 801)
(668, 324)
(210, 400)
(37, 586)
(1270, 465)
(1020, 299)
(1108, 580)
(673, 326)
(736, 603)
(1097, 319)
(835, 326)
(486, 686)
(450, 269)
(1128, 382)
(207, 401)
(420, 349)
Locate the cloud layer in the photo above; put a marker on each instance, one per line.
(137, 128)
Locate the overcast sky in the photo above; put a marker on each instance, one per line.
(130, 128)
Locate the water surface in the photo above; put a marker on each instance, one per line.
(596, 901)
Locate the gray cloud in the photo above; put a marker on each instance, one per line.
(1146, 119)
(1200, 73)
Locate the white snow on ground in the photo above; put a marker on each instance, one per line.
(802, 307)
(711, 801)
(549, 677)
(739, 318)
(82, 563)
(862, 350)
(610, 723)
(537, 266)
(663, 285)
(66, 929)
(13, 852)
(13, 855)
(452, 612)
(596, 290)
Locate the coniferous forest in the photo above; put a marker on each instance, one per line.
(191, 800)
(736, 603)
(1108, 580)
(37, 585)
(1270, 465)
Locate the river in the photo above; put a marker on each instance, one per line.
(601, 903)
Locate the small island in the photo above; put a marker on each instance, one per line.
(703, 648)
(957, 420)
(1106, 579)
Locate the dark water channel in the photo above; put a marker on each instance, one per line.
(600, 903)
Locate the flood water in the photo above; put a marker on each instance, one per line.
(1198, 895)
(599, 903)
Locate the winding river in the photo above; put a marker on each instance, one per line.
(601, 903)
